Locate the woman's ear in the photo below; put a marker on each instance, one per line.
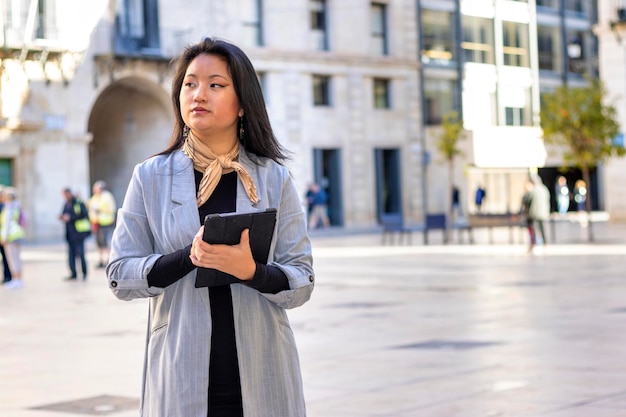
(240, 112)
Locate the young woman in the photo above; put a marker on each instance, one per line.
(225, 350)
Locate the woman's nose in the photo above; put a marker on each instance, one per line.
(200, 94)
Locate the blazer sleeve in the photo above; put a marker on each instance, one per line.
(132, 246)
(292, 251)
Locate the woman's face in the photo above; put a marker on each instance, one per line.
(208, 102)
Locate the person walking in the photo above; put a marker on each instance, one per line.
(479, 198)
(539, 210)
(224, 350)
(12, 234)
(319, 207)
(525, 213)
(102, 209)
(77, 228)
(563, 194)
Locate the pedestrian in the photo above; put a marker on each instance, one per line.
(580, 194)
(77, 228)
(12, 233)
(319, 207)
(481, 195)
(227, 350)
(455, 208)
(5, 262)
(525, 213)
(102, 209)
(563, 195)
(539, 210)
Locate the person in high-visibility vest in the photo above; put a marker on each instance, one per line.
(102, 208)
(77, 229)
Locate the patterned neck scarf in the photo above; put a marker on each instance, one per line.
(213, 166)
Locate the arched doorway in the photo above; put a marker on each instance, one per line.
(130, 121)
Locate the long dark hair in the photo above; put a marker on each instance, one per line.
(259, 137)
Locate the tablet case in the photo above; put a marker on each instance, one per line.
(226, 228)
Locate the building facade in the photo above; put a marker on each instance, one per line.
(611, 31)
(492, 60)
(87, 101)
(355, 90)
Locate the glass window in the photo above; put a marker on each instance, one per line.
(577, 6)
(549, 48)
(382, 97)
(478, 40)
(438, 99)
(548, 3)
(321, 90)
(318, 24)
(379, 28)
(250, 12)
(515, 44)
(438, 37)
(517, 106)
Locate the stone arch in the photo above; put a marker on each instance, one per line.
(130, 120)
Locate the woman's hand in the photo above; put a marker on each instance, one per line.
(236, 259)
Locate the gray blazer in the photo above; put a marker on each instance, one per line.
(160, 216)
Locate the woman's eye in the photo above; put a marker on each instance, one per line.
(215, 85)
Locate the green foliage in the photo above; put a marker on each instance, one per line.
(451, 134)
(579, 119)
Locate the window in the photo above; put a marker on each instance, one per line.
(321, 90)
(438, 37)
(379, 28)
(549, 48)
(577, 6)
(46, 20)
(250, 12)
(318, 24)
(515, 44)
(137, 26)
(478, 40)
(548, 3)
(439, 97)
(382, 99)
(516, 102)
(514, 116)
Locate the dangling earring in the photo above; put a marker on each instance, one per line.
(185, 132)
(241, 131)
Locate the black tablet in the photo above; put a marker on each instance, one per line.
(226, 229)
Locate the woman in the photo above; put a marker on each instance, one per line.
(12, 234)
(226, 350)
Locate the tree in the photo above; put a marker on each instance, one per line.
(448, 146)
(579, 120)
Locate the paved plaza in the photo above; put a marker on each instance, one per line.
(410, 330)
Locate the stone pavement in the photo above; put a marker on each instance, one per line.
(453, 330)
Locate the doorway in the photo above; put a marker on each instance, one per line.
(327, 174)
(388, 182)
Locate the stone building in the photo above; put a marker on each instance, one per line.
(347, 84)
(88, 98)
(611, 31)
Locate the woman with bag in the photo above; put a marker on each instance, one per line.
(11, 235)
